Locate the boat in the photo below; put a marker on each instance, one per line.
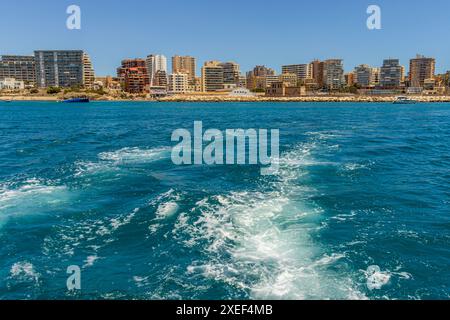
(404, 100)
(77, 100)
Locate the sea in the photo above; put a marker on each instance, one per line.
(359, 208)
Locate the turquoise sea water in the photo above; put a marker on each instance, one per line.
(358, 210)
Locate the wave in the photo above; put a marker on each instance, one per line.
(108, 162)
(91, 234)
(24, 272)
(135, 155)
(262, 242)
(25, 198)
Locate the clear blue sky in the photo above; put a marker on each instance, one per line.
(249, 32)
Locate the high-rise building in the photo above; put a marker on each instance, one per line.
(366, 76)
(185, 64)
(262, 71)
(257, 79)
(21, 68)
(178, 83)
(391, 74)
(231, 73)
(212, 76)
(421, 69)
(350, 78)
(375, 76)
(160, 79)
(154, 64)
(88, 72)
(133, 75)
(62, 68)
(303, 71)
(333, 74)
(316, 68)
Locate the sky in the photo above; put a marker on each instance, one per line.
(249, 32)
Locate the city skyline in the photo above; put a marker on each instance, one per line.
(300, 38)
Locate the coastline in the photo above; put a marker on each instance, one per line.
(217, 98)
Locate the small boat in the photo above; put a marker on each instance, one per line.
(77, 100)
(404, 100)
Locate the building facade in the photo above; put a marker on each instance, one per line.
(316, 68)
(421, 69)
(11, 84)
(303, 71)
(63, 68)
(133, 75)
(290, 78)
(333, 74)
(366, 76)
(391, 74)
(185, 64)
(21, 68)
(154, 64)
(178, 83)
(88, 72)
(212, 77)
(231, 73)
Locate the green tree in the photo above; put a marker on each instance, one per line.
(53, 90)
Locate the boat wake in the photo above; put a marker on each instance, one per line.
(263, 242)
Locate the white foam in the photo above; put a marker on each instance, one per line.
(111, 161)
(24, 271)
(259, 241)
(376, 278)
(134, 155)
(90, 260)
(166, 210)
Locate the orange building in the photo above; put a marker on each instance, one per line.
(134, 76)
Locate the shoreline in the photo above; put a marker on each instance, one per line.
(220, 99)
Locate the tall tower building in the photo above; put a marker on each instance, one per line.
(185, 64)
(421, 69)
(303, 71)
(366, 76)
(154, 64)
(316, 68)
(231, 72)
(62, 68)
(333, 74)
(212, 76)
(88, 72)
(133, 75)
(178, 83)
(21, 68)
(391, 74)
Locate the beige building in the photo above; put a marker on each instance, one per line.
(185, 64)
(421, 69)
(231, 73)
(212, 77)
(88, 72)
(317, 69)
(282, 89)
(290, 78)
(303, 71)
(178, 83)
